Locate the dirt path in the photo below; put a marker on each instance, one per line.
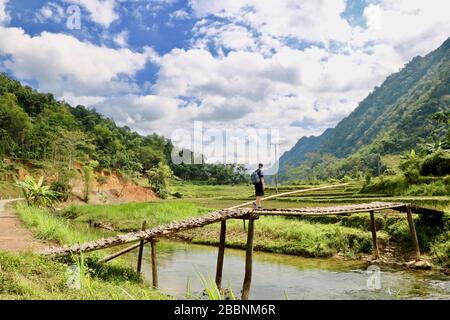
(13, 235)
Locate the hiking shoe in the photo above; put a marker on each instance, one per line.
(254, 205)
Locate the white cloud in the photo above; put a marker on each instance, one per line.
(179, 15)
(144, 113)
(102, 12)
(58, 62)
(121, 39)
(50, 11)
(309, 20)
(4, 16)
(298, 66)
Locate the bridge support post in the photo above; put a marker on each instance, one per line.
(248, 259)
(412, 230)
(154, 265)
(220, 255)
(141, 249)
(373, 227)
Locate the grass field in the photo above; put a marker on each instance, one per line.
(307, 236)
(30, 276)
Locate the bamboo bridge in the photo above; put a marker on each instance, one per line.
(238, 212)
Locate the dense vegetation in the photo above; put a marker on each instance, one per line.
(395, 118)
(35, 126)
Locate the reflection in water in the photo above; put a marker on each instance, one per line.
(278, 276)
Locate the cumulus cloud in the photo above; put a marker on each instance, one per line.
(102, 12)
(58, 62)
(296, 63)
(50, 11)
(308, 20)
(121, 38)
(297, 66)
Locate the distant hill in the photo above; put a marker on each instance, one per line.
(37, 127)
(393, 118)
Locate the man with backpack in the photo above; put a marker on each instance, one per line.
(257, 178)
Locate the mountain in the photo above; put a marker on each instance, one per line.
(393, 118)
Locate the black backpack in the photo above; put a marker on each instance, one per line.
(255, 177)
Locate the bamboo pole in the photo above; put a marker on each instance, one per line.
(141, 249)
(289, 193)
(248, 260)
(373, 227)
(412, 230)
(154, 265)
(220, 255)
(121, 252)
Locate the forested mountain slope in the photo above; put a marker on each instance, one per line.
(395, 117)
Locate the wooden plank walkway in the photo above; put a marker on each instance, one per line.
(223, 215)
(156, 232)
(333, 210)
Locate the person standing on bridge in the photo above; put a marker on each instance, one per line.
(257, 178)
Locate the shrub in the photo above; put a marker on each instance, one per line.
(62, 188)
(177, 195)
(436, 164)
(412, 176)
(434, 189)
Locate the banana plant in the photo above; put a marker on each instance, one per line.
(36, 193)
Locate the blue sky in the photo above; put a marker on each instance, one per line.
(298, 66)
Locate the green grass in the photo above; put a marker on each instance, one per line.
(307, 236)
(293, 236)
(129, 216)
(27, 276)
(47, 226)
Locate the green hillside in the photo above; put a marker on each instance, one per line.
(395, 117)
(38, 129)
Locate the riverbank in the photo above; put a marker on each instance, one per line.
(27, 275)
(343, 236)
(347, 237)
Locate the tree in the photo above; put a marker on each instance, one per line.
(88, 172)
(444, 117)
(101, 181)
(14, 122)
(158, 178)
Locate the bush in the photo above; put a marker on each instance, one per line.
(412, 176)
(385, 184)
(434, 189)
(177, 195)
(62, 188)
(436, 164)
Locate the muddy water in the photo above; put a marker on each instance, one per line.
(277, 276)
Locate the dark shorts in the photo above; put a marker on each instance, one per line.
(259, 190)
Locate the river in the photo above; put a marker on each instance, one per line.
(279, 276)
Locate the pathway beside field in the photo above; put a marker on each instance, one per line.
(14, 236)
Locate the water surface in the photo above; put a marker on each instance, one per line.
(279, 276)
